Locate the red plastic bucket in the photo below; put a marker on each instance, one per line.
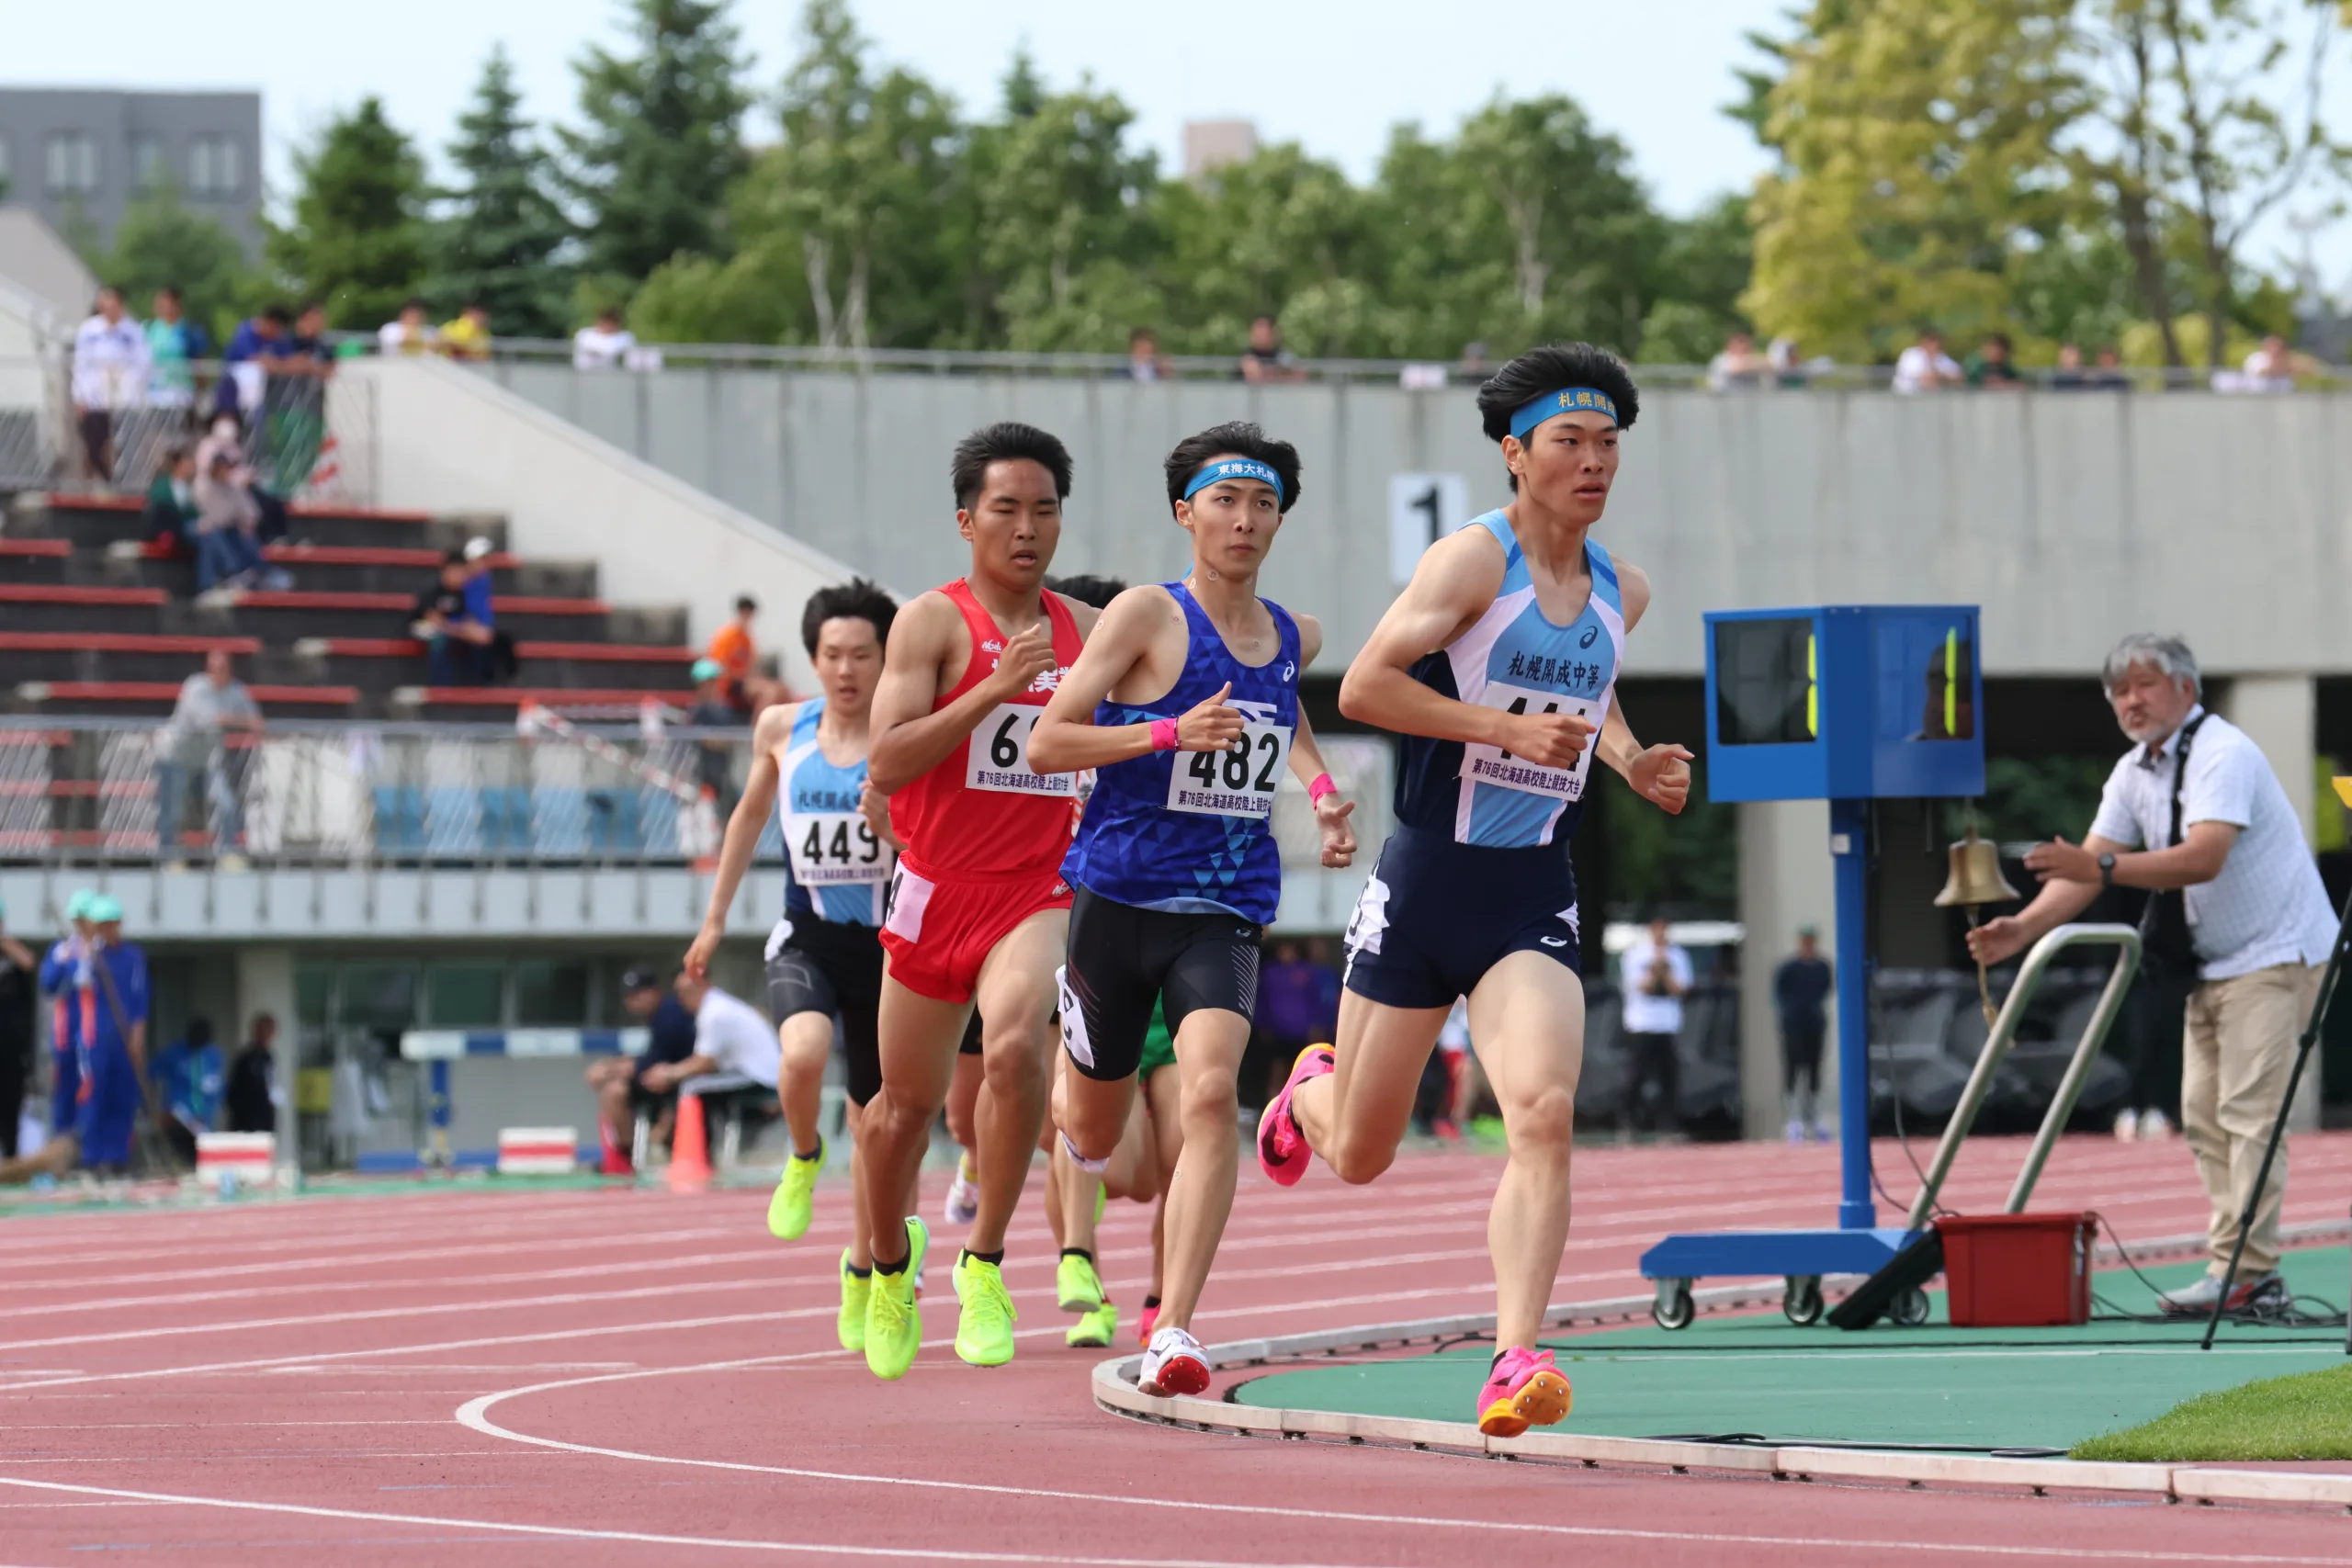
(2018, 1270)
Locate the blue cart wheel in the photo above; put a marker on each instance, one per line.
(1673, 1307)
(1801, 1300)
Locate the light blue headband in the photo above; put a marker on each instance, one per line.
(1566, 400)
(1235, 468)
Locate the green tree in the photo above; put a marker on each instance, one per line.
(1703, 268)
(356, 242)
(501, 235)
(663, 140)
(1921, 160)
(1279, 234)
(159, 242)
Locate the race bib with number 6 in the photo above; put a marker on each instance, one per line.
(1237, 782)
(1493, 765)
(831, 848)
(998, 758)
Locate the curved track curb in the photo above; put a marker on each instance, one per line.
(1115, 1390)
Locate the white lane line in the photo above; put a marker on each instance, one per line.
(181, 1426)
(942, 1555)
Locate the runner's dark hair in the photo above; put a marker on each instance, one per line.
(1088, 589)
(856, 598)
(1242, 438)
(1009, 441)
(1549, 369)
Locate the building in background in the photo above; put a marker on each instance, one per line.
(1208, 144)
(79, 156)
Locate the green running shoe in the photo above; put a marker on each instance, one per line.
(1095, 1330)
(984, 1329)
(854, 1289)
(789, 1210)
(893, 1320)
(1077, 1284)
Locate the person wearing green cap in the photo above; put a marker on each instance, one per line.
(66, 975)
(715, 759)
(115, 1050)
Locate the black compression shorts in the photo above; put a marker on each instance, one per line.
(1123, 959)
(823, 967)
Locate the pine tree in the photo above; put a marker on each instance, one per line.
(501, 239)
(663, 141)
(357, 241)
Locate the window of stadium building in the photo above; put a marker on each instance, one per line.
(215, 166)
(70, 163)
(7, 167)
(466, 996)
(150, 169)
(550, 994)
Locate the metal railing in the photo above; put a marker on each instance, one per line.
(655, 359)
(309, 439)
(98, 791)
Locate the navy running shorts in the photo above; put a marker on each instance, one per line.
(1436, 915)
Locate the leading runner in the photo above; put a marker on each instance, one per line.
(1185, 703)
(978, 909)
(1497, 667)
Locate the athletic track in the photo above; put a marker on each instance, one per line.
(635, 1378)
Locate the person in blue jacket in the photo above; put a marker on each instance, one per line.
(66, 975)
(107, 996)
(189, 1075)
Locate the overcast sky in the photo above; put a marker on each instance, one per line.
(1334, 78)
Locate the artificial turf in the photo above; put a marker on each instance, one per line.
(2306, 1416)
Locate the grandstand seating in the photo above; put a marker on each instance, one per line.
(96, 618)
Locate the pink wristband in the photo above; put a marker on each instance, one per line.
(1321, 786)
(1163, 735)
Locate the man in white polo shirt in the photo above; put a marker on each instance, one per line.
(2237, 897)
(731, 1036)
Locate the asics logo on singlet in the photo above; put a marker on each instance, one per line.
(1553, 941)
(1589, 633)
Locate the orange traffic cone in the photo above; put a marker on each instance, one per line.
(690, 1147)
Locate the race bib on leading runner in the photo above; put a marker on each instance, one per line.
(997, 756)
(1493, 765)
(1237, 782)
(830, 849)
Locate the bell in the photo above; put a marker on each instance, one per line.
(1975, 875)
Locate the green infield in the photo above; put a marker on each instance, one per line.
(2307, 1416)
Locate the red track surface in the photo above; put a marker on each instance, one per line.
(644, 1378)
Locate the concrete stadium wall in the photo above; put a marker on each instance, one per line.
(447, 440)
(2072, 517)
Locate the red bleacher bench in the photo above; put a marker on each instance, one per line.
(67, 501)
(169, 691)
(586, 652)
(298, 554)
(58, 593)
(125, 642)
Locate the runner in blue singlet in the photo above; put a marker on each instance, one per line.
(1185, 703)
(1497, 667)
(824, 958)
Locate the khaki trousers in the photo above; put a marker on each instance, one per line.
(2237, 1048)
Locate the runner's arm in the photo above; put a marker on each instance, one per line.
(910, 739)
(1660, 775)
(744, 830)
(1332, 812)
(1121, 639)
(1455, 581)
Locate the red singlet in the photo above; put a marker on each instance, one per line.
(981, 812)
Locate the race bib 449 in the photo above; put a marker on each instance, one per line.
(1493, 765)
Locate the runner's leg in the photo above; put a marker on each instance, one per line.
(1165, 1092)
(1527, 1026)
(918, 1038)
(1209, 1044)
(1016, 996)
(806, 1039)
(1355, 1115)
(861, 1248)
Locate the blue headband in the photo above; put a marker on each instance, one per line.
(1235, 468)
(1567, 401)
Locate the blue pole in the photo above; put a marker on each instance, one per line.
(1849, 853)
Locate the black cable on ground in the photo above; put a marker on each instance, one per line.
(1757, 1439)
(2292, 1314)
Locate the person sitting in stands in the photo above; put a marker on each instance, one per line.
(619, 1081)
(170, 514)
(457, 647)
(228, 542)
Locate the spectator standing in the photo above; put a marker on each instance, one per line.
(2269, 368)
(255, 350)
(732, 648)
(1655, 974)
(619, 1081)
(1800, 994)
(1738, 368)
(252, 1094)
(110, 371)
(606, 345)
(169, 518)
(457, 647)
(713, 759)
(1787, 360)
(20, 982)
(190, 1082)
(1992, 366)
(2194, 816)
(1143, 356)
(2069, 377)
(1266, 359)
(1925, 367)
(114, 1055)
(2107, 371)
(468, 337)
(191, 743)
(174, 345)
(408, 333)
(481, 603)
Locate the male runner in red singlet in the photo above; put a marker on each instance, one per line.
(978, 908)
